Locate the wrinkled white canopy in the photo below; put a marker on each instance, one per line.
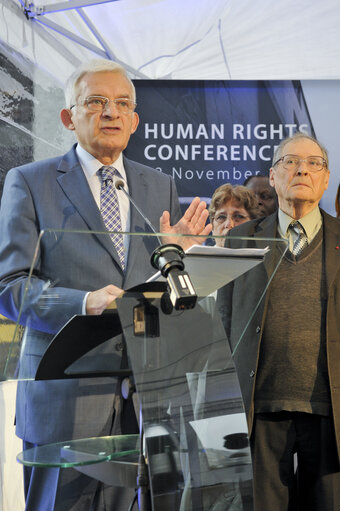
(180, 39)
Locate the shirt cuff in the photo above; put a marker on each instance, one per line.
(83, 309)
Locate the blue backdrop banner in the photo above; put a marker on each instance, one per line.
(206, 133)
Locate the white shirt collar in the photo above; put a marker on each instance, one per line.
(310, 222)
(91, 165)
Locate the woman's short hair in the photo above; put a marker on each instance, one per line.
(245, 197)
(92, 66)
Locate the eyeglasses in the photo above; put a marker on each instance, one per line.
(99, 103)
(292, 162)
(237, 218)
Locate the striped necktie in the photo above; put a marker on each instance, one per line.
(301, 241)
(109, 208)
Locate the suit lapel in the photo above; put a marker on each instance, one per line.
(267, 228)
(138, 191)
(75, 186)
(332, 241)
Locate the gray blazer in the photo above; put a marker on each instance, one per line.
(54, 194)
(238, 302)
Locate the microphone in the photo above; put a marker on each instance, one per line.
(168, 259)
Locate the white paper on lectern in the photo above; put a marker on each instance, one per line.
(213, 267)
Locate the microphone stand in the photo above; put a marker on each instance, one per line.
(142, 474)
(168, 259)
(119, 184)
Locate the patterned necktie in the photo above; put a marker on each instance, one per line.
(109, 208)
(301, 241)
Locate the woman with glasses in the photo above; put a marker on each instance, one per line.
(231, 206)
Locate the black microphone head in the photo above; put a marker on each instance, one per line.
(119, 183)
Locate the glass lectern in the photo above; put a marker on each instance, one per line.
(175, 361)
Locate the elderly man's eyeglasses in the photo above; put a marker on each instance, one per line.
(291, 162)
(99, 103)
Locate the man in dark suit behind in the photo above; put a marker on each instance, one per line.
(79, 274)
(288, 359)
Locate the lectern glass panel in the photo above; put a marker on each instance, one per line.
(177, 351)
(194, 422)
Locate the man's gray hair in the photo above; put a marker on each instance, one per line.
(92, 66)
(297, 136)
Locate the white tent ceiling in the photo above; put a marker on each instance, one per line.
(180, 39)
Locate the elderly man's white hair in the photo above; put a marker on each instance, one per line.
(92, 66)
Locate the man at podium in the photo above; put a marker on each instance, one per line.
(80, 274)
(288, 359)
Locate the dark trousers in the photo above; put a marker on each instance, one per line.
(66, 489)
(315, 485)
